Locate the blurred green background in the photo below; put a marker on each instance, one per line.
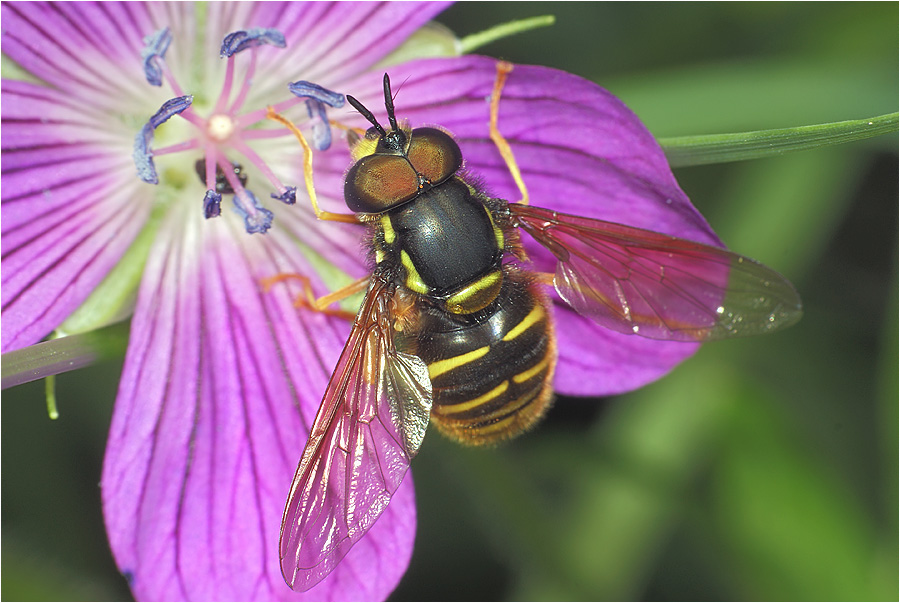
(759, 469)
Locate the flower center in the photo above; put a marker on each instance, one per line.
(227, 131)
(220, 127)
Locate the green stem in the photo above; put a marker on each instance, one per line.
(504, 30)
(61, 355)
(683, 151)
(50, 393)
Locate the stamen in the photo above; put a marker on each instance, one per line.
(170, 108)
(143, 154)
(187, 145)
(153, 54)
(212, 204)
(212, 169)
(307, 171)
(321, 130)
(258, 161)
(288, 197)
(223, 131)
(256, 220)
(254, 116)
(242, 39)
(302, 90)
(226, 86)
(245, 88)
(316, 92)
(316, 98)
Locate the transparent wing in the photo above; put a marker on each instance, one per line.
(632, 280)
(370, 424)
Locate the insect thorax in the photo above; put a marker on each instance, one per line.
(444, 245)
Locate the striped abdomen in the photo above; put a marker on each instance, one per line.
(491, 372)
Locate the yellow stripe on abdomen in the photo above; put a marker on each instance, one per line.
(537, 368)
(439, 367)
(536, 314)
(452, 409)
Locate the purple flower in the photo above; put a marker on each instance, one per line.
(130, 128)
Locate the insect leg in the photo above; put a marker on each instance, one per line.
(308, 298)
(503, 70)
(545, 278)
(353, 134)
(308, 171)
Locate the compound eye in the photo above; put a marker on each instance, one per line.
(379, 182)
(434, 154)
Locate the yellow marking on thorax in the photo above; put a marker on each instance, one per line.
(414, 282)
(478, 295)
(536, 314)
(389, 235)
(440, 367)
(537, 368)
(451, 409)
(498, 232)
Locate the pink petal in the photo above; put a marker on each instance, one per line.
(68, 46)
(219, 388)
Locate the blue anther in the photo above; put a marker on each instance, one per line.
(260, 221)
(143, 154)
(305, 89)
(316, 98)
(153, 54)
(212, 204)
(171, 107)
(321, 129)
(288, 197)
(243, 39)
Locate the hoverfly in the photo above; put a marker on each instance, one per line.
(453, 332)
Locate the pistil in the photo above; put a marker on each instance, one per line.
(224, 130)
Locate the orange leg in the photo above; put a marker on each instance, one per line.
(353, 134)
(545, 278)
(308, 171)
(308, 298)
(503, 70)
(340, 126)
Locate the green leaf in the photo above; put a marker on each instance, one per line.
(749, 95)
(684, 151)
(784, 212)
(792, 530)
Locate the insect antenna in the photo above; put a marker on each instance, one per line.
(368, 115)
(389, 103)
